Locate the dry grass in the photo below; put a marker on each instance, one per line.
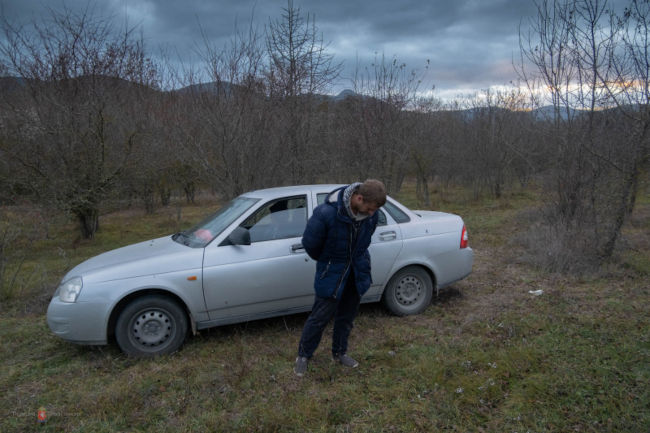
(487, 356)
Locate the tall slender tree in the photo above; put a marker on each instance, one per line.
(299, 68)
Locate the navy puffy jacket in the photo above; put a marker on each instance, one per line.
(329, 238)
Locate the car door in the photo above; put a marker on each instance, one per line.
(272, 275)
(385, 246)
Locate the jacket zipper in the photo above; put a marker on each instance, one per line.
(341, 278)
(347, 265)
(322, 275)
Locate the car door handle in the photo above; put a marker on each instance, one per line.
(295, 248)
(387, 236)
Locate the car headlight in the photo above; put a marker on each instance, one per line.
(69, 290)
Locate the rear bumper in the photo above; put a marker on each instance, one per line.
(454, 267)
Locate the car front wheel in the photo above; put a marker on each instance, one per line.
(408, 292)
(151, 325)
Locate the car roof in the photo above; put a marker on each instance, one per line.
(290, 190)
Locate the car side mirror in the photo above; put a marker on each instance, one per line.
(239, 236)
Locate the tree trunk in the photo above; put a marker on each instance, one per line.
(623, 209)
(190, 192)
(165, 195)
(88, 218)
(422, 190)
(148, 198)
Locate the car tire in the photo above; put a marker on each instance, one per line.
(151, 325)
(409, 291)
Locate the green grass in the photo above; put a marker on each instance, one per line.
(486, 356)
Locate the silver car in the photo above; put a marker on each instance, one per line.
(243, 263)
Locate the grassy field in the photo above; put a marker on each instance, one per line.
(487, 356)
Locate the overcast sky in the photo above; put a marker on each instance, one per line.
(470, 43)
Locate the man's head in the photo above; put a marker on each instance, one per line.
(370, 196)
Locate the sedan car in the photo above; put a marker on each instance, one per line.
(246, 262)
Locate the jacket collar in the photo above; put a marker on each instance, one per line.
(335, 198)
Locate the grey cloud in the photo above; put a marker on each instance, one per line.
(469, 42)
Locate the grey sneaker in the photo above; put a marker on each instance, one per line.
(346, 361)
(301, 366)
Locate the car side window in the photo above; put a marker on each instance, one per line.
(278, 219)
(382, 218)
(398, 215)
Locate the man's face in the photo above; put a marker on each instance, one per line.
(361, 207)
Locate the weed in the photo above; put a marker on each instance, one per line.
(485, 356)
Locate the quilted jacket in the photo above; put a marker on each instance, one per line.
(338, 244)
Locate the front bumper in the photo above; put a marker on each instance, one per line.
(78, 322)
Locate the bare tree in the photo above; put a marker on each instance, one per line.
(81, 111)
(427, 141)
(382, 127)
(299, 68)
(581, 52)
(224, 125)
(496, 146)
(627, 83)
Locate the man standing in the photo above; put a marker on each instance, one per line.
(337, 236)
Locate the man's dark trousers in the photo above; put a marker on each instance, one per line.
(344, 311)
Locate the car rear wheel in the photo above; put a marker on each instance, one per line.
(151, 325)
(408, 292)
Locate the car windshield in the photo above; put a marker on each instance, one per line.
(202, 234)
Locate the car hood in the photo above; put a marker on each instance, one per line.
(155, 256)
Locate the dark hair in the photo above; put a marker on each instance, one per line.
(373, 191)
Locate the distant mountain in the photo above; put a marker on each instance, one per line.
(10, 84)
(347, 93)
(212, 87)
(225, 86)
(471, 113)
(548, 113)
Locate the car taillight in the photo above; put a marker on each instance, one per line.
(464, 238)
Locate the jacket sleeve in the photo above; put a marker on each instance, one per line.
(313, 239)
